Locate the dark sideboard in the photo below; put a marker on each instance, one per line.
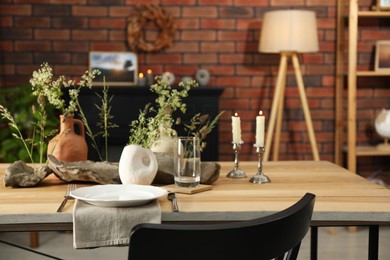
(125, 106)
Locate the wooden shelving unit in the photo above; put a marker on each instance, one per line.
(353, 151)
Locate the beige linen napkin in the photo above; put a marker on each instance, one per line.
(109, 226)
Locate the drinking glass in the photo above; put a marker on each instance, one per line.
(187, 162)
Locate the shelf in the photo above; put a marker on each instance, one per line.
(371, 151)
(374, 14)
(371, 73)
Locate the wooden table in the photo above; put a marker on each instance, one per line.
(343, 199)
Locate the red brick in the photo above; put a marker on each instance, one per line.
(233, 81)
(32, 46)
(204, 35)
(187, 23)
(117, 35)
(70, 22)
(53, 10)
(6, 46)
(248, 24)
(186, 70)
(200, 12)
(216, 2)
(91, 11)
(216, 47)
(143, 2)
(7, 70)
(178, 2)
(68, 2)
(251, 2)
(70, 71)
(233, 36)
(120, 11)
(236, 12)
(233, 58)
(15, 9)
(199, 58)
(220, 70)
(28, 1)
(6, 22)
(287, 2)
(81, 35)
(108, 46)
(189, 47)
(52, 34)
(223, 24)
(119, 23)
(164, 58)
(32, 22)
(74, 46)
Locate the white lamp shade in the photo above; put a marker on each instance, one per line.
(290, 31)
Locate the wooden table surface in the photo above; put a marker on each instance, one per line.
(343, 198)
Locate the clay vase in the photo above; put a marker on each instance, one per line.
(68, 146)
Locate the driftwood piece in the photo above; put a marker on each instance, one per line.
(19, 174)
(90, 171)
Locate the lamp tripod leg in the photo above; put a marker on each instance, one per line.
(275, 103)
(279, 119)
(305, 106)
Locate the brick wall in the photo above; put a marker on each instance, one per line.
(221, 36)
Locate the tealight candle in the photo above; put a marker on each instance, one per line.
(141, 80)
(260, 119)
(236, 129)
(149, 77)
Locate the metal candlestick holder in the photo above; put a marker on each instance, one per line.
(260, 177)
(236, 172)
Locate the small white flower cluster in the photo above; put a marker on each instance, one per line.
(43, 85)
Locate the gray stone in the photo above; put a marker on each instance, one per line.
(19, 174)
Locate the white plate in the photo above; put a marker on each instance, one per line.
(118, 195)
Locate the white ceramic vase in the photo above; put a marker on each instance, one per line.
(137, 165)
(382, 127)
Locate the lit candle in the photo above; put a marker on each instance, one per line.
(149, 77)
(141, 80)
(260, 119)
(236, 129)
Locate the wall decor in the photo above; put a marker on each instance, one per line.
(118, 68)
(382, 56)
(202, 77)
(140, 19)
(169, 77)
(383, 4)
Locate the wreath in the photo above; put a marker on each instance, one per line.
(143, 15)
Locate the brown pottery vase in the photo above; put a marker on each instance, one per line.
(68, 146)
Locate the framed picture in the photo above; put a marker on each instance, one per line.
(118, 68)
(383, 4)
(382, 56)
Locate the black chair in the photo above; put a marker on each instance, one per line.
(269, 237)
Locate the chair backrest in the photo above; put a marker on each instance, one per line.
(264, 238)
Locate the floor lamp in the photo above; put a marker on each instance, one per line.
(288, 32)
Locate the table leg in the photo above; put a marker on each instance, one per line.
(313, 242)
(373, 245)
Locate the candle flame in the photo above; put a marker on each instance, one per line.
(235, 114)
(141, 75)
(260, 112)
(149, 71)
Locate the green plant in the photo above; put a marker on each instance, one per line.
(20, 137)
(156, 122)
(201, 126)
(104, 124)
